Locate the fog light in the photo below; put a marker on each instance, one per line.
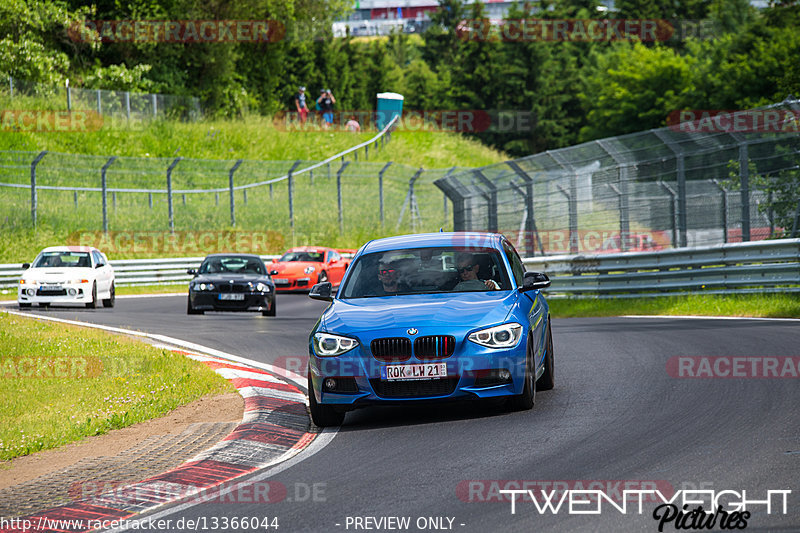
(330, 384)
(30, 292)
(72, 292)
(504, 375)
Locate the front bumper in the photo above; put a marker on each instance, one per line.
(473, 372)
(292, 284)
(66, 293)
(210, 301)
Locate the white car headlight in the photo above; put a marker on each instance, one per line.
(204, 286)
(504, 336)
(329, 345)
(309, 270)
(262, 287)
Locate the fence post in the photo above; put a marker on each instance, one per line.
(680, 174)
(411, 202)
(216, 198)
(69, 97)
(672, 196)
(744, 176)
(530, 224)
(573, 218)
(104, 186)
(623, 223)
(169, 194)
(114, 200)
(155, 105)
(339, 195)
(11, 86)
(75, 198)
(491, 198)
(796, 220)
(291, 197)
(99, 103)
(150, 199)
(380, 188)
(244, 196)
(33, 185)
(128, 105)
(724, 210)
(459, 202)
(230, 188)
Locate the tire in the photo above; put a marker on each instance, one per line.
(93, 303)
(322, 415)
(546, 381)
(273, 309)
(525, 401)
(109, 302)
(23, 305)
(191, 310)
(323, 277)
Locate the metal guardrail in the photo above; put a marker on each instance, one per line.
(761, 266)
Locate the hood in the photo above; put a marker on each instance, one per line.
(57, 273)
(293, 267)
(415, 310)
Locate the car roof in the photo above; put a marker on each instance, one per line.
(245, 256)
(69, 249)
(458, 239)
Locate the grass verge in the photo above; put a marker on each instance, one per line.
(60, 383)
(742, 305)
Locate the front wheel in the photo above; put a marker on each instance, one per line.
(547, 381)
(109, 302)
(525, 401)
(322, 415)
(93, 303)
(272, 311)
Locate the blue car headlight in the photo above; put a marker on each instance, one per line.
(329, 345)
(504, 336)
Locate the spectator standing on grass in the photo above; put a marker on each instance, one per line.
(300, 104)
(326, 101)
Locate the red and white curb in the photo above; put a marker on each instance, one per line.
(273, 430)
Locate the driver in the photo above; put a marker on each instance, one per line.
(387, 275)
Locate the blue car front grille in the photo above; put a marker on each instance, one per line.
(391, 349)
(434, 347)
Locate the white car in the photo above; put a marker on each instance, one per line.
(67, 275)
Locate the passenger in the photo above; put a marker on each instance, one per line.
(468, 274)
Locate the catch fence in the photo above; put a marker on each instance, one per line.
(679, 186)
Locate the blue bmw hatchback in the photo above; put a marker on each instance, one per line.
(430, 317)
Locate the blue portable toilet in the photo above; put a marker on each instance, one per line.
(390, 105)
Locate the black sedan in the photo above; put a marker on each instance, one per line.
(231, 282)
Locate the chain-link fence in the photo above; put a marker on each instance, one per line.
(115, 105)
(342, 202)
(690, 184)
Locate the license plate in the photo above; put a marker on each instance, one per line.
(409, 372)
(231, 296)
(51, 287)
(280, 281)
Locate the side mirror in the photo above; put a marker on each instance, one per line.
(321, 291)
(191, 271)
(99, 265)
(535, 281)
(26, 266)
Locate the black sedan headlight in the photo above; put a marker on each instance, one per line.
(262, 287)
(203, 286)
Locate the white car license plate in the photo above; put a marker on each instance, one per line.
(280, 281)
(231, 296)
(409, 372)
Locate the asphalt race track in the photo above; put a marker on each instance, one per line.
(616, 415)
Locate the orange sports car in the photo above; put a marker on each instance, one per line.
(300, 268)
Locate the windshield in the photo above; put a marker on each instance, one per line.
(233, 265)
(63, 259)
(312, 257)
(426, 270)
